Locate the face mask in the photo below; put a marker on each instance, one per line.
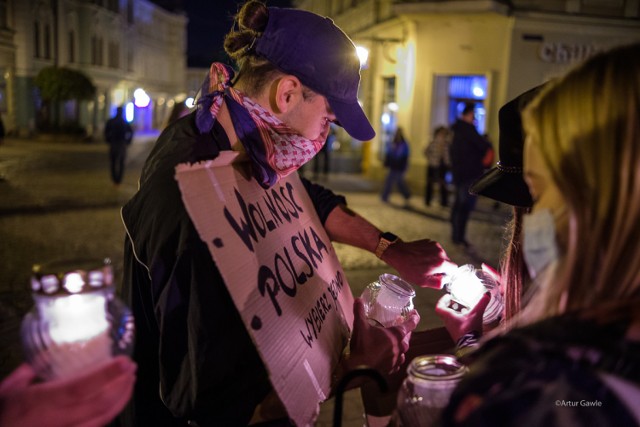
(274, 148)
(540, 248)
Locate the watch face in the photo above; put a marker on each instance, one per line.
(389, 236)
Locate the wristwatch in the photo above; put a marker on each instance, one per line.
(386, 239)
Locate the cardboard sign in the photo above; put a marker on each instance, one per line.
(281, 271)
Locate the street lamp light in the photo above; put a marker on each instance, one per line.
(363, 56)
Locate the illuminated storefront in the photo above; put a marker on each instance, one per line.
(427, 58)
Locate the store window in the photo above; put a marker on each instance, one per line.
(468, 89)
(452, 93)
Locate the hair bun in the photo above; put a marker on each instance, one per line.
(253, 16)
(251, 20)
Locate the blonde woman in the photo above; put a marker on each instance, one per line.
(572, 355)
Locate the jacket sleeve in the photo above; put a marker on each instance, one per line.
(324, 200)
(191, 344)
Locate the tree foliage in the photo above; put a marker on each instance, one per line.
(63, 84)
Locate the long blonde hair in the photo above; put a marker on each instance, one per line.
(587, 127)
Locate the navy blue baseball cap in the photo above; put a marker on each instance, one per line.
(312, 48)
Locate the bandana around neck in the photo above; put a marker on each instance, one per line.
(275, 150)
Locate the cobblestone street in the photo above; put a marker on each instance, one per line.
(57, 201)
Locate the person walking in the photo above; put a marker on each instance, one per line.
(397, 160)
(324, 156)
(468, 149)
(118, 134)
(438, 164)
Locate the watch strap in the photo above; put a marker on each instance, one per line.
(386, 239)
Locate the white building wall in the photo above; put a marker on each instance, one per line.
(151, 54)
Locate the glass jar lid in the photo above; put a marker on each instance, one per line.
(397, 285)
(69, 277)
(437, 367)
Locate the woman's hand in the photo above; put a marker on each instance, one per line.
(88, 400)
(460, 322)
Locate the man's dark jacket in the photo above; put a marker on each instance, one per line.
(196, 361)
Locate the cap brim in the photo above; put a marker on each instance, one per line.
(351, 117)
(509, 188)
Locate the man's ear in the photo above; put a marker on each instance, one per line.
(285, 93)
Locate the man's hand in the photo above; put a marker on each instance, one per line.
(378, 347)
(421, 262)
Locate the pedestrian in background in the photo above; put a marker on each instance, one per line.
(324, 156)
(118, 134)
(438, 164)
(397, 161)
(468, 150)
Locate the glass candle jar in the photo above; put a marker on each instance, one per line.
(77, 321)
(427, 388)
(388, 300)
(468, 284)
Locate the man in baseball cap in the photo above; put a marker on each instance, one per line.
(297, 72)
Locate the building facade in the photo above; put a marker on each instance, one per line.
(427, 58)
(133, 51)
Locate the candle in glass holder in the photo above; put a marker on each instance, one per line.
(427, 388)
(77, 321)
(388, 300)
(467, 285)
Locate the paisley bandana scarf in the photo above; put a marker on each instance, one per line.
(275, 150)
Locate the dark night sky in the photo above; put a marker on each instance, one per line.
(209, 21)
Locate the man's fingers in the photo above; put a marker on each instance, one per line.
(413, 319)
(404, 344)
(433, 281)
(447, 267)
(359, 311)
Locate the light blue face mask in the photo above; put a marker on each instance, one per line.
(540, 248)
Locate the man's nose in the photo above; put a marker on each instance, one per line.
(330, 115)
